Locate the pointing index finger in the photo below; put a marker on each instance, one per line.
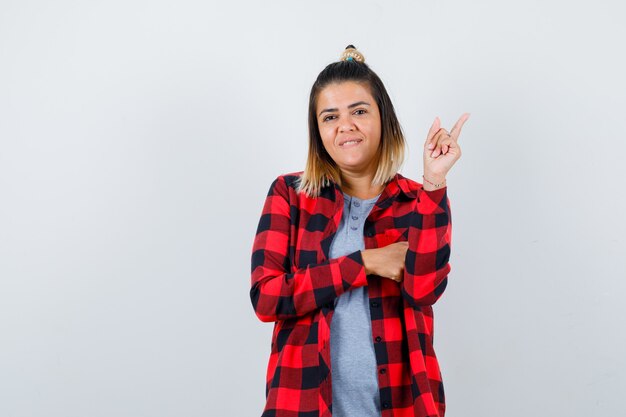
(456, 129)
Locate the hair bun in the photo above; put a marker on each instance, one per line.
(352, 54)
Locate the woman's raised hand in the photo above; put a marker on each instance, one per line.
(441, 149)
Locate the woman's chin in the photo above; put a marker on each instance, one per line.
(357, 164)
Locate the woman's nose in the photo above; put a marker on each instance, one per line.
(346, 125)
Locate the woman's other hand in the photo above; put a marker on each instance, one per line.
(387, 261)
(441, 149)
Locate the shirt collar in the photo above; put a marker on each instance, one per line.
(398, 185)
(404, 186)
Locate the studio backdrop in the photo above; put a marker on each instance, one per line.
(138, 140)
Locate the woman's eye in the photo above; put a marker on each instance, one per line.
(330, 117)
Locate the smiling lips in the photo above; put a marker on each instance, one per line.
(348, 143)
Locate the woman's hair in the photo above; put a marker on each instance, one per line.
(320, 168)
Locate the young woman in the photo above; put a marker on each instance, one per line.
(349, 257)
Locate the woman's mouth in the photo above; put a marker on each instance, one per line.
(351, 143)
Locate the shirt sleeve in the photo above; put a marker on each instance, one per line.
(426, 263)
(277, 293)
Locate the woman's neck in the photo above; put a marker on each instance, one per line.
(360, 186)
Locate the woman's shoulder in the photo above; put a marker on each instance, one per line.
(408, 182)
(285, 184)
(290, 178)
(407, 186)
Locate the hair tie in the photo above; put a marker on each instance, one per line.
(352, 54)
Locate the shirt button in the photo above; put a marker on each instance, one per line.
(385, 404)
(378, 338)
(383, 371)
(353, 227)
(370, 233)
(355, 217)
(356, 204)
(374, 304)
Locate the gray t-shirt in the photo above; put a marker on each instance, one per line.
(353, 362)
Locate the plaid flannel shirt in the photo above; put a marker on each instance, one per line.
(294, 284)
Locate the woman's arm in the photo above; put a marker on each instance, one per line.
(426, 264)
(278, 294)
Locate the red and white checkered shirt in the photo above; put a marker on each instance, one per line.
(294, 284)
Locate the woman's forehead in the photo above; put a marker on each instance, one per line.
(344, 93)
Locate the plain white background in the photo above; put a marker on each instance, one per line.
(139, 139)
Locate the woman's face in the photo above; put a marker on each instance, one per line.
(349, 123)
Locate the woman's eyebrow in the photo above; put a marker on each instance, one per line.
(358, 103)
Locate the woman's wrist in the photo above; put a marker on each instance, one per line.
(365, 253)
(433, 182)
